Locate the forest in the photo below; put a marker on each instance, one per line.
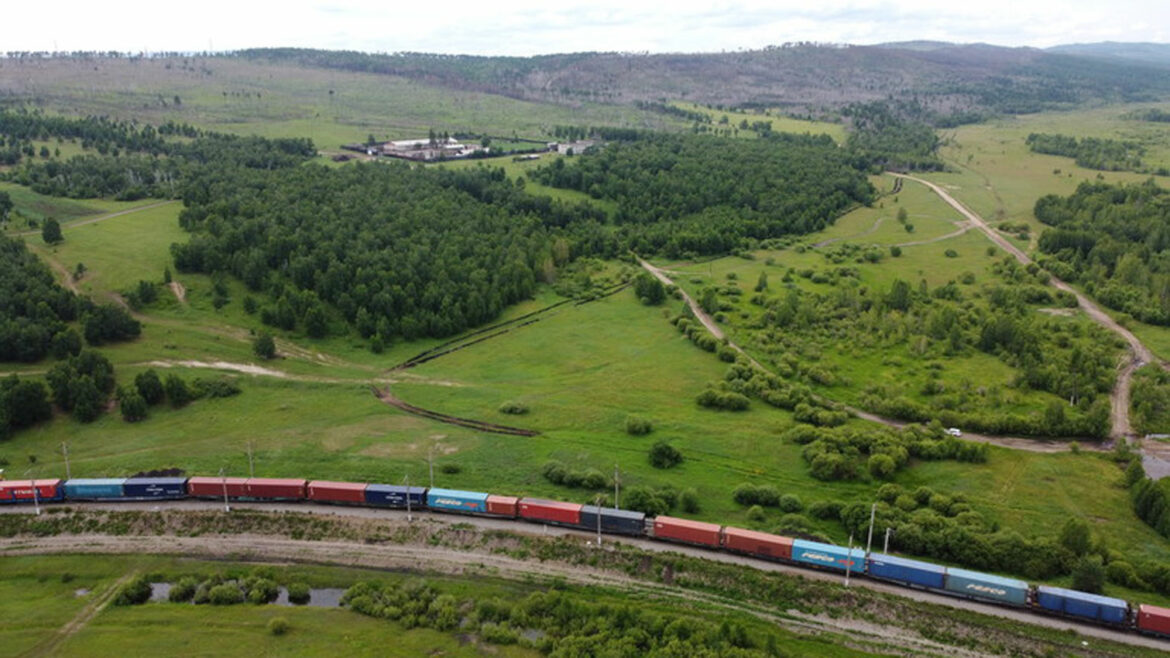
(681, 195)
(1113, 240)
(1090, 152)
(895, 135)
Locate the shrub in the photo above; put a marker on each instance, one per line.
(756, 513)
(726, 400)
(888, 493)
(790, 503)
(132, 405)
(264, 346)
(514, 408)
(226, 594)
(792, 524)
(150, 387)
(278, 626)
(262, 590)
(184, 590)
(637, 426)
(177, 391)
(951, 253)
(135, 592)
(646, 500)
(451, 469)
(826, 509)
(906, 503)
(895, 251)
(664, 455)
(690, 501)
(881, 466)
(299, 593)
(923, 494)
(751, 494)
(1089, 574)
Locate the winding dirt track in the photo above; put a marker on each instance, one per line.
(479, 560)
(1029, 444)
(1139, 353)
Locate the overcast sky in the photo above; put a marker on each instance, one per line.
(527, 27)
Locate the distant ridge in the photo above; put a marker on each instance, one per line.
(1148, 53)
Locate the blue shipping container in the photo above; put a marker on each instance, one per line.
(155, 488)
(986, 586)
(82, 489)
(828, 556)
(1082, 604)
(905, 571)
(458, 501)
(393, 495)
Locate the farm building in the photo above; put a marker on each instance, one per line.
(427, 149)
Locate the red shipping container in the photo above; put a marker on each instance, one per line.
(337, 492)
(692, 532)
(1153, 619)
(23, 489)
(212, 487)
(502, 505)
(553, 511)
(276, 488)
(757, 543)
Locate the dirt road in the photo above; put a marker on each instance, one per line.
(478, 560)
(102, 218)
(1139, 353)
(1014, 442)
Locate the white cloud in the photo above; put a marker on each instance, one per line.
(525, 27)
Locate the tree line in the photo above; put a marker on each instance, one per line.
(1090, 152)
(1114, 240)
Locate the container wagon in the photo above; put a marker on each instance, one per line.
(761, 544)
(828, 556)
(1153, 620)
(614, 521)
(907, 572)
(986, 587)
(1082, 605)
(155, 488)
(275, 489)
(688, 532)
(323, 491)
(550, 511)
(508, 506)
(393, 495)
(22, 491)
(453, 500)
(213, 487)
(94, 489)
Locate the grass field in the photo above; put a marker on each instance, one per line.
(780, 123)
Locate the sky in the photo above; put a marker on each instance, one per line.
(529, 27)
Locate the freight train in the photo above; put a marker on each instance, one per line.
(988, 588)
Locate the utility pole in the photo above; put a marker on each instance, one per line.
(431, 464)
(616, 486)
(251, 465)
(407, 480)
(65, 451)
(886, 546)
(869, 540)
(36, 496)
(223, 481)
(597, 503)
(848, 559)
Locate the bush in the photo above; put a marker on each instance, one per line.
(299, 593)
(1089, 574)
(278, 626)
(451, 469)
(664, 455)
(637, 426)
(150, 387)
(690, 501)
(514, 408)
(756, 513)
(751, 494)
(646, 500)
(793, 524)
(790, 503)
(726, 400)
(132, 405)
(262, 590)
(951, 253)
(177, 391)
(826, 510)
(881, 466)
(135, 592)
(184, 590)
(264, 346)
(226, 594)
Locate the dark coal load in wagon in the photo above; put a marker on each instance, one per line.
(614, 521)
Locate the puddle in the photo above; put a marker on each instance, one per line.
(324, 597)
